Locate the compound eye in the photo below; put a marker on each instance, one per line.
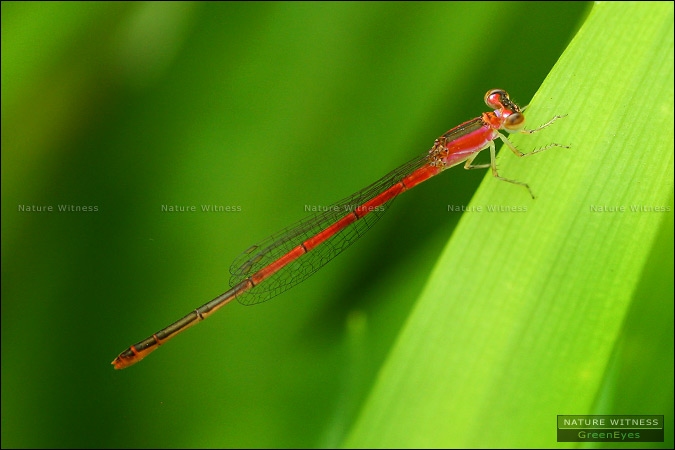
(495, 98)
(514, 122)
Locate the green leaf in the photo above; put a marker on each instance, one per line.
(537, 307)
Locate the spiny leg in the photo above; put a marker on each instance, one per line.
(520, 154)
(493, 166)
(541, 127)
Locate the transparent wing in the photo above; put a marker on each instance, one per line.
(271, 249)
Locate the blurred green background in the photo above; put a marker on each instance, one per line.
(266, 107)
